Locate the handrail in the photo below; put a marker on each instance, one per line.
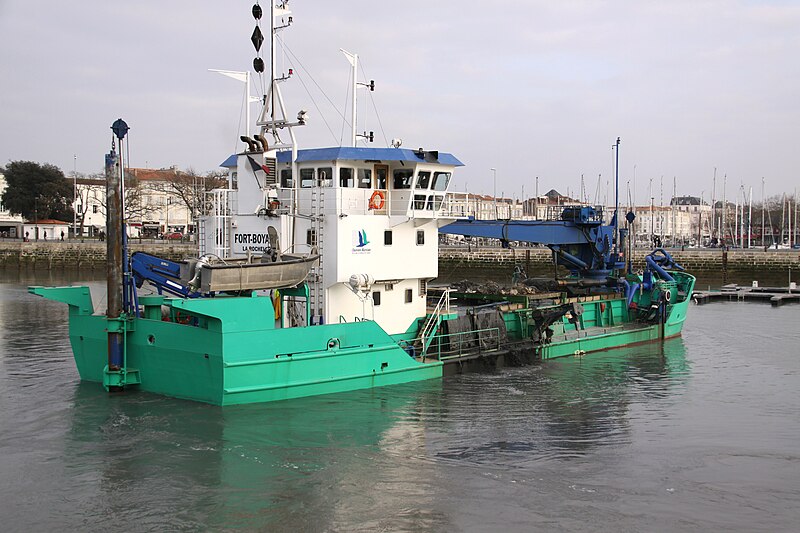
(486, 340)
(433, 321)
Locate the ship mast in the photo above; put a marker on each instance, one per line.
(273, 116)
(354, 135)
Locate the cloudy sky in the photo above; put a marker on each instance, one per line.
(531, 88)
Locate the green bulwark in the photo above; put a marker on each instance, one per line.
(226, 350)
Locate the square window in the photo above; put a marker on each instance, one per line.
(325, 176)
(402, 178)
(346, 177)
(387, 237)
(286, 177)
(364, 178)
(420, 237)
(376, 298)
(306, 178)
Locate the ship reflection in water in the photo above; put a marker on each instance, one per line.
(365, 453)
(563, 408)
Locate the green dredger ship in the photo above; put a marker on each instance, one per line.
(344, 305)
(227, 353)
(222, 343)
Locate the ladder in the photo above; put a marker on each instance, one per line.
(317, 286)
(201, 235)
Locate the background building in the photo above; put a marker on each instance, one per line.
(157, 203)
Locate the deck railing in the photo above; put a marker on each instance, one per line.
(465, 343)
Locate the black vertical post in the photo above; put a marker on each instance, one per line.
(113, 257)
(114, 248)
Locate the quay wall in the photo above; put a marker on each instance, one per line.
(17, 255)
(69, 255)
(706, 260)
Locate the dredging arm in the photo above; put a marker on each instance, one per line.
(576, 235)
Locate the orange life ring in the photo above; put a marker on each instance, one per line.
(377, 200)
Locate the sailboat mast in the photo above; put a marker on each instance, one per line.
(616, 199)
(763, 208)
(783, 216)
(724, 206)
(713, 203)
(750, 217)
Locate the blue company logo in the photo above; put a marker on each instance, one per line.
(362, 239)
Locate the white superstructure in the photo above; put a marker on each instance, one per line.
(372, 213)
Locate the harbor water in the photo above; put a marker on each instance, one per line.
(701, 433)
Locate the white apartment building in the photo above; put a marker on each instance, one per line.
(153, 207)
(700, 213)
(670, 225)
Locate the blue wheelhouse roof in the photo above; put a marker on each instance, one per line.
(349, 153)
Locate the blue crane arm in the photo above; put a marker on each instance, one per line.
(165, 275)
(579, 240)
(547, 232)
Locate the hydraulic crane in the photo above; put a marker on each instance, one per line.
(576, 235)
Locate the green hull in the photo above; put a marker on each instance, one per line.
(608, 322)
(616, 334)
(230, 353)
(226, 351)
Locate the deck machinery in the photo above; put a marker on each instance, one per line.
(602, 303)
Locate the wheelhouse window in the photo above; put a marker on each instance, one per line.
(346, 177)
(437, 202)
(380, 176)
(286, 178)
(364, 178)
(306, 178)
(325, 175)
(402, 178)
(419, 201)
(423, 179)
(440, 181)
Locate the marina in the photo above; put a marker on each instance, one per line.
(775, 296)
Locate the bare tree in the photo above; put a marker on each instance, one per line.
(191, 188)
(135, 206)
